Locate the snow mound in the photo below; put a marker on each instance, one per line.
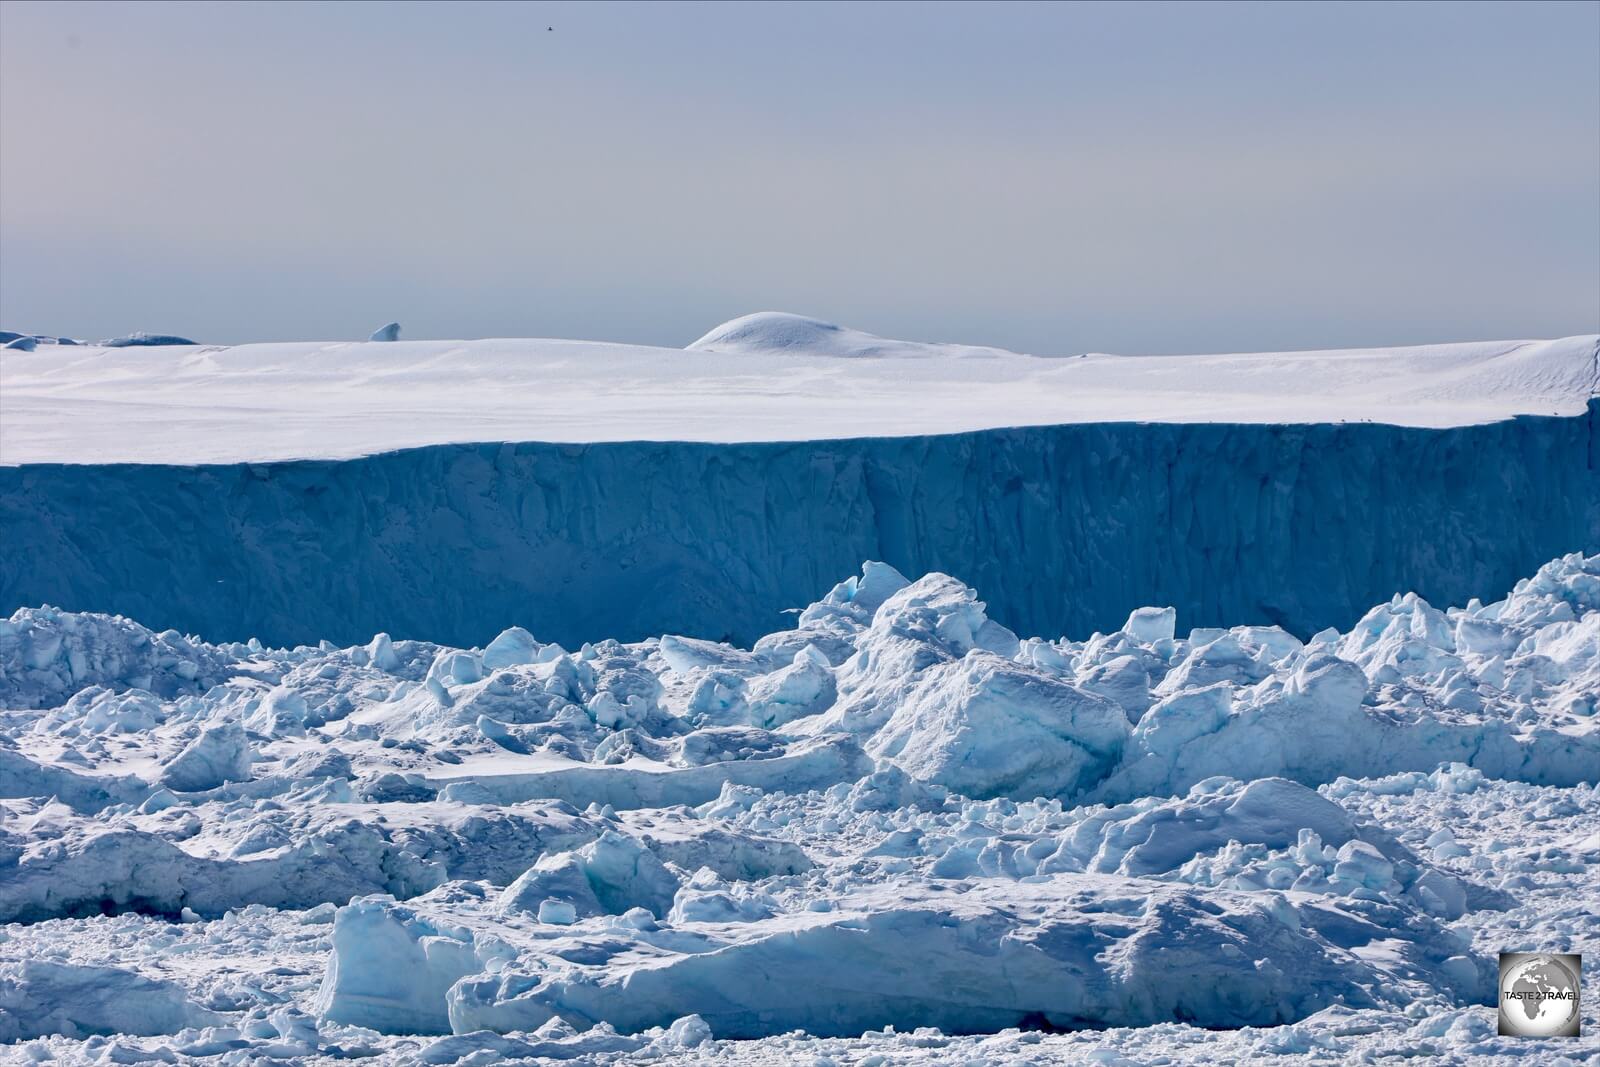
(778, 333)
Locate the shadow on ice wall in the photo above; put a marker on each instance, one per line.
(1061, 529)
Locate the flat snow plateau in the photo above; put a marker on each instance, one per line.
(765, 377)
(894, 832)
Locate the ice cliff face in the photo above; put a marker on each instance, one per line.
(1065, 528)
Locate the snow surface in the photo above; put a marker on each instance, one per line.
(895, 831)
(766, 377)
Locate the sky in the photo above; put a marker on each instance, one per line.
(1052, 179)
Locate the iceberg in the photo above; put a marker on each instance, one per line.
(1143, 735)
(451, 490)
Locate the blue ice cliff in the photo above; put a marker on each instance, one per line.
(1065, 528)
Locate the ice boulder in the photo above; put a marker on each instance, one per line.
(985, 727)
(943, 612)
(1361, 864)
(40, 997)
(890, 788)
(775, 331)
(805, 687)
(556, 889)
(1336, 684)
(718, 699)
(928, 622)
(220, 754)
(857, 597)
(1214, 657)
(1408, 635)
(387, 332)
(381, 654)
(282, 712)
(513, 646)
(557, 912)
(99, 710)
(390, 968)
(452, 667)
(684, 654)
(706, 898)
(1149, 625)
(1122, 679)
(609, 875)
(1181, 718)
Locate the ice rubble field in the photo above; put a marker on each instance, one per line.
(892, 833)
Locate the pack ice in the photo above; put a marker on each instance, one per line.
(893, 830)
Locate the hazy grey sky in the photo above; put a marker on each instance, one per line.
(1047, 178)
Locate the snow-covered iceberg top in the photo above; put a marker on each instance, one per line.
(765, 377)
(774, 332)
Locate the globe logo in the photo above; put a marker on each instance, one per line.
(1539, 994)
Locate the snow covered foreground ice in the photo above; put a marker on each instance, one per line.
(894, 831)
